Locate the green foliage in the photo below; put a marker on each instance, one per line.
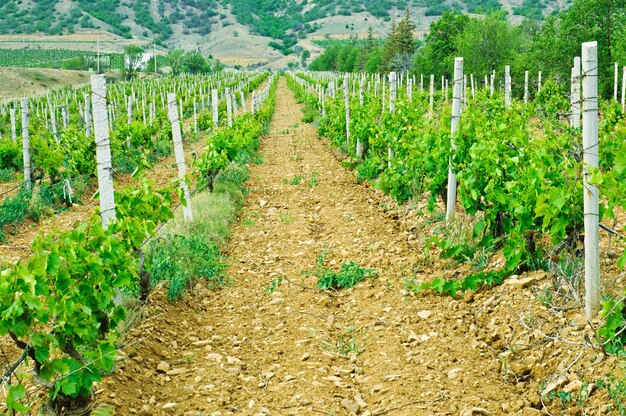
(180, 260)
(348, 275)
(62, 300)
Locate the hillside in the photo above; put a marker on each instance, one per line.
(237, 31)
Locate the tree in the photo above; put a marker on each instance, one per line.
(195, 63)
(400, 42)
(306, 54)
(437, 54)
(175, 58)
(487, 44)
(133, 56)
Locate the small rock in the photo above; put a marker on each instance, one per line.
(276, 301)
(262, 202)
(377, 388)
(350, 405)
(169, 407)
(612, 254)
(305, 356)
(521, 283)
(425, 314)
(359, 400)
(573, 387)
(176, 371)
(454, 373)
(163, 367)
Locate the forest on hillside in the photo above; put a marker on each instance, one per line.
(490, 43)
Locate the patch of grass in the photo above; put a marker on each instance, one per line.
(348, 275)
(274, 285)
(190, 250)
(350, 339)
(7, 175)
(293, 181)
(313, 180)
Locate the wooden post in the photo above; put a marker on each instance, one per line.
(26, 144)
(177, 137)
(507, 86)
(575, 98)
(103, 149)
(454, 127)
(590, 158)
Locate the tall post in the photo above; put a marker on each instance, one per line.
(229, 107)
(507, 86)
(590, 159)
(615, 78)
(575, 99)
(215, 107)
(432, 92)
(87, 115)
(392, 108)
(103, 149)
(53, 122)
(26, 144)
(538, 82)
(177, 137)
(624, 89)
(525, 87)
(346, 95)
(454, 127)
(13, 124)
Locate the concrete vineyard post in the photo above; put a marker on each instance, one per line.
(472, 84)
(64, 116)
(214, 104)
(507, 86)
(195, 117)
(624, 89)
(229, 108)
(103, 149)
(492, 85)
(615, 78)
(447, 95)
(177, 137)
(243, 102)
(26, 144)
(538, 82)
(590, 159)
(421, 82)
(87, 115)
(346, 95)
(525, 87)
(13, 124)
(392, 108)
(454, 127)
(129, 116)
(432, 92)
(575, 99)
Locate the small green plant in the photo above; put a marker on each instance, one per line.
(6, 175)
(274, 285)
(285, 218)
(349, 340)
(348, 275)
(312, 180)
(251, 218)
(616, 389)
(293, 181)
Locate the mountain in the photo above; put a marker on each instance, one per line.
(246, 29)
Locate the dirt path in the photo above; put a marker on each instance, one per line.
(242, 350)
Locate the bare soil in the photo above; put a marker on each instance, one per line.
(267, 345)
(18, 82)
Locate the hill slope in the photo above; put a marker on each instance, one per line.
(248, 29)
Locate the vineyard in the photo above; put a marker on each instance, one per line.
(448, 246)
